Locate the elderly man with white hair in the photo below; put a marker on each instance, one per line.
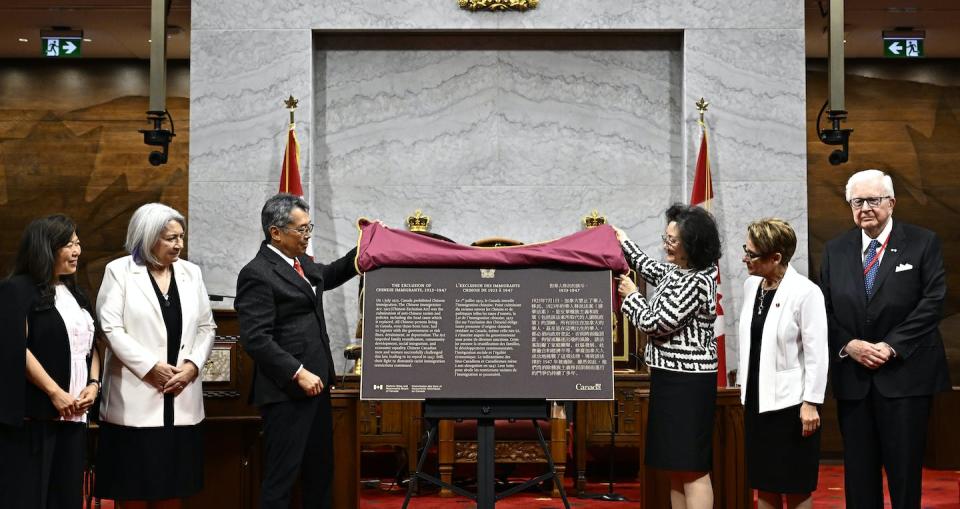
(883, 283)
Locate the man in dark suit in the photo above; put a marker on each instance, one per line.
(884, 288)
(280, 309)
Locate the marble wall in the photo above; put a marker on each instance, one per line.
(491, 128)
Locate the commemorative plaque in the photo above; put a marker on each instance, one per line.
(470, 333)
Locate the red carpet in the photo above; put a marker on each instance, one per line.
(941, 490)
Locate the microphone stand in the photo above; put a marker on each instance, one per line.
(610, 496)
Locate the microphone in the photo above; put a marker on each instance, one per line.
(219, 298)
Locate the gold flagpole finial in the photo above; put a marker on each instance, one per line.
(702, 106)
(291, 104)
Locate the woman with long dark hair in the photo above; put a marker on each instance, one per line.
(50, 370)
(678, 318)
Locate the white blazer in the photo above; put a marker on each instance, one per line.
(137, 339)
(793, 353)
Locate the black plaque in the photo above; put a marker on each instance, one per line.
(526, 333)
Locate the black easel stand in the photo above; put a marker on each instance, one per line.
(610, 496)
(485, 413)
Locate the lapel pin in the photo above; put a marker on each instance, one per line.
(893, 250)
(778, 304)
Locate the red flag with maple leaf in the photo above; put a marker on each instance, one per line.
(290, 174)
(702, 195)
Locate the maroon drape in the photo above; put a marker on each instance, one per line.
(380, 246)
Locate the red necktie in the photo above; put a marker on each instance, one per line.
(298, 268)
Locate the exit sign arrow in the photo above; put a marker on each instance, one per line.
(903, 47)
(61, 47)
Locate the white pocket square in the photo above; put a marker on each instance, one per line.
(902, 267)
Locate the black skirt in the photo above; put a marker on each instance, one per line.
(779, 458)
(149, 463)
(680, 423)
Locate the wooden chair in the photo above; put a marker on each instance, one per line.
(517, 443)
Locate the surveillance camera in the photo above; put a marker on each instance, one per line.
(835, 136)
(157, 137)
(838, 157)
(157, 158)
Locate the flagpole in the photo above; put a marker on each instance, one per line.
(291, 104)
(702, 106)
(704, 196)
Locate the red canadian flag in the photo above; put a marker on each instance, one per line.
(702, 195)
(290, 175)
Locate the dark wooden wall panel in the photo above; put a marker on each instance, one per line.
(69, 143)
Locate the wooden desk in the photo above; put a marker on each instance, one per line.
(729, 475)
(233, 455)
(593, 422)
(387, 424)
(346, 448)
(633, 397)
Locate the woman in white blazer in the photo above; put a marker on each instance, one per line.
(783, 362)
(159, 328)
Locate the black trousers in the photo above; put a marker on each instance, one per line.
(43, 465)
(888, 434)
(298, 439)
(14, 449)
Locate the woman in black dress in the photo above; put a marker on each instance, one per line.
(159, 329)
(49, 322)
(783, 352)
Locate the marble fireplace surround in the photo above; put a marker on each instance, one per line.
(508, 124)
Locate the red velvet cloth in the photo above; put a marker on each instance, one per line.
(380, 246)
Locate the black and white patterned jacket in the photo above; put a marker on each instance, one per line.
(679, 316)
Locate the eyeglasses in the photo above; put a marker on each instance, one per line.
(303, 231)
(872, 202)
(750, 254)
(670, 241)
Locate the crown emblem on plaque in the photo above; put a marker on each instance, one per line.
(594, 220)
(488, 273)
(418, 222)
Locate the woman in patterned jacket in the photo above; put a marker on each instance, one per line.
(681, 352)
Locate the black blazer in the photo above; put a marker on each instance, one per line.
(905, 312)
(282, 324)
(47, 340)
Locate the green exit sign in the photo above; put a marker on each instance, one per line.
(60, 47)
(903, 47)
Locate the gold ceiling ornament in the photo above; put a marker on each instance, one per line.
(498, 5)
(702, 106)
(594, 220)
(418, 222)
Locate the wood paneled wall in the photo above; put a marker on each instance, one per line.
(69, 143)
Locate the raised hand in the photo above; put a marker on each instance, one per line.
(626, 286)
